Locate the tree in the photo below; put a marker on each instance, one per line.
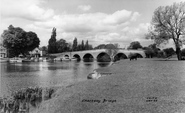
(17, 41)
(52, 42)
(183, 52)
(82, 45)
(79, 47)
(116, 45)
(111, 50)
(169, 51)
(169, 23)
(62, 46)
(32, 40)
(149, 52)
(135, 45)
(154, 49)
(101, 46)
(75, 44)
(44, 48)
(87, 45)
(90, 47)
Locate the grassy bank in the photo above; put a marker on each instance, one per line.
(142, 86)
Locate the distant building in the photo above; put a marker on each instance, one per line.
(37, 53)
(3, 51)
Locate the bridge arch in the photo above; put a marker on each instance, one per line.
(88, 57)
(103, 57)
(77, 56)
(66, 56)
(120, 56)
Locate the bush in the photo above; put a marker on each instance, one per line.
(21, 99)
(169, 51)
(183, 52)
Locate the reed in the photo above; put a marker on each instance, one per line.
(22, 100)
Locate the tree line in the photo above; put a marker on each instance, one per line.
(61, 45)
(152, 50)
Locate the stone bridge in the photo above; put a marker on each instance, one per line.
(99, 53)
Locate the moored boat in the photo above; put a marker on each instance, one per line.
(26, 60)
(15, 60)
(74, 59)
(3, 59)
(65, 59)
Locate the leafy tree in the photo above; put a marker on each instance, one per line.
(79, 48)
(110, 46)
(169, 51)
(154, 49)
(101, 46)
(62, 46)
(69, 45)
(87, 45)
(116, 45)
(17, 41)
(183, 52)
(32, 40)
(148, 52)
(90, 47)
(75, 45)
(169, 23)
(106, 46)
(52, 48)
(112, 52)
(44, 48)
(82, 45)
(135, 45)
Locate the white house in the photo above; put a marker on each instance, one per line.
(36, 53)
(3, 51)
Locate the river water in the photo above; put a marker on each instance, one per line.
(15, 76)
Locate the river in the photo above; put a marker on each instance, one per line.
(15, 76)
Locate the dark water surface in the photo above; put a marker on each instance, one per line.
(15, 76)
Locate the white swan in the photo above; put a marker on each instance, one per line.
(94, 75)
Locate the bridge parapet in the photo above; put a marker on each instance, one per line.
(96, 52)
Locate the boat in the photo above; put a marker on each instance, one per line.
(26, 60)
(74, 58)
(3, 60)
(57, 59)
(15, 60)
(65, 59)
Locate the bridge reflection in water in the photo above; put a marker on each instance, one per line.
(101, 55)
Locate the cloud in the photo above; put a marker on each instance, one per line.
(89, 22)
(96, 27)
(27, 9)
(118, 17)
(84, 7)
(135, 15)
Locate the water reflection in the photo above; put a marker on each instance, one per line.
(104, 64)
(20, 75)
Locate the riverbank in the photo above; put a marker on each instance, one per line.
(142, 86)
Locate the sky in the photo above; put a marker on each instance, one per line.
(98, 21)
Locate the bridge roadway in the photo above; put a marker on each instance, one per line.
(95, 54)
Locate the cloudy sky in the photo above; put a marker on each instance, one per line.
(98, 21)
